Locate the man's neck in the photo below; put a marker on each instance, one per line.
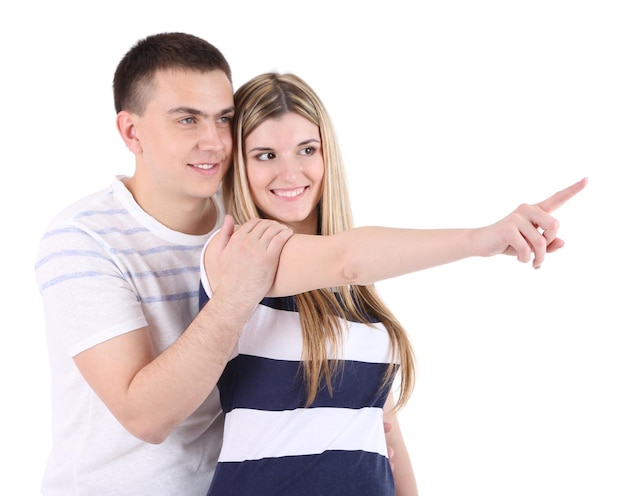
(191, 216)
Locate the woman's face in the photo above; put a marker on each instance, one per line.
(285, 168)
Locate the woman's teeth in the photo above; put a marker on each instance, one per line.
(288, 193)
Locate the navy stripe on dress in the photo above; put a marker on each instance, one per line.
(328, 474)
(274, 385)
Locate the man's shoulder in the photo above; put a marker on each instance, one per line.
(80, 210)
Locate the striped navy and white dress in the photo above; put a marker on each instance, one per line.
(274, 446)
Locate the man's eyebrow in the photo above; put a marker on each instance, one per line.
(193, 111)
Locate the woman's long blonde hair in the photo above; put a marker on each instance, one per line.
(321, 312)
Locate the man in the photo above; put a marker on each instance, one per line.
(118, 273)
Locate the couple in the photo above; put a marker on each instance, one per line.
(134, 365)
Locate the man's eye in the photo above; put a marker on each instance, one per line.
(187, 120)
(225, 119)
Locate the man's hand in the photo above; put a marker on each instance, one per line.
(245, 258)
(387, 426)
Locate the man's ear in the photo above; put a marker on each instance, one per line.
(126, 127)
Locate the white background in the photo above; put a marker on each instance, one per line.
(450, 114)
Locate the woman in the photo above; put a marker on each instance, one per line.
(307, 387)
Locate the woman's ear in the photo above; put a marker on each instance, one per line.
(126, 127)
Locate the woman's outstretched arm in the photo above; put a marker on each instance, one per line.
(366, 255)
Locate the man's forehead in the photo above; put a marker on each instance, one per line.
(198, 92)
(183, 78)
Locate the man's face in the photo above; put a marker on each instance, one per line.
(185, 139)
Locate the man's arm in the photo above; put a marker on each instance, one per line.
(150, 395)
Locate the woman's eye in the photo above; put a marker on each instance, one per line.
(266, 156)
(309, 150)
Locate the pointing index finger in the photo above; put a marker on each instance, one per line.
(559, 198)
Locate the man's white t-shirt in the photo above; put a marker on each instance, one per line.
(105, 268)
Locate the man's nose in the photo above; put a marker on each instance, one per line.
(210, 138)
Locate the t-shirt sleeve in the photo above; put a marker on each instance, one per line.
(87, 297)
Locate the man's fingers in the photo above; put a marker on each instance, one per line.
(278, 241)
(223, 236)
(559, 198)
(249, 226)
(274, 237)
(267, 235)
